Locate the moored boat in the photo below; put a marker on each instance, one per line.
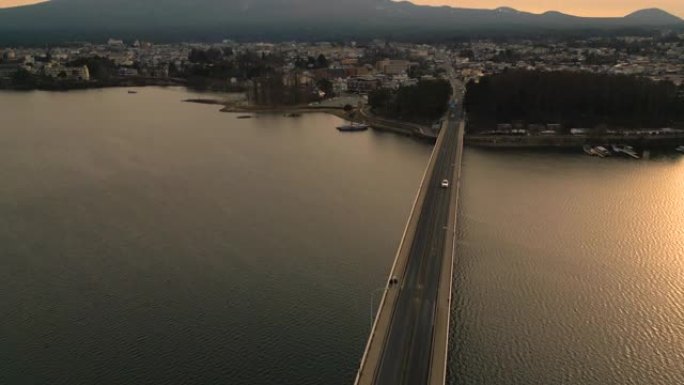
(625, 149)
(602, 151)
(589, 150)
(353, 127)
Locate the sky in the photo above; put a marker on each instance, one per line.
(14, 3)
(573, 7)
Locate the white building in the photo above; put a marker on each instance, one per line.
(58, 71)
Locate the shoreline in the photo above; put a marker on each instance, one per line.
(573, 142)
(91, 85)
(409, 129)
(355, 115)
(339, 112)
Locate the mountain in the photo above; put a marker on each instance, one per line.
(506, 10)
(60, 20)
(652, 16)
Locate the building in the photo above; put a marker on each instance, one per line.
(339, 86)
(115, 42)
(579, 131)
(58, 71)
(363, 84)
(393, 67)
(9, 55)
(128, 72)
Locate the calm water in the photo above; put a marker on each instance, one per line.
(149, 241)
(145, 240)
(570, 271)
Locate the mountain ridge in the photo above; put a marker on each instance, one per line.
(61, 20)
(653, 15)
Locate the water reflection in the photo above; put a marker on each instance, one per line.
(569, 270)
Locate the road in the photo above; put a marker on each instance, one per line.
(407, 352)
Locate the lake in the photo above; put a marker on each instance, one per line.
(147, 240)
(569, 270)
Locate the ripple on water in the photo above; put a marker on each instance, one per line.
(571, 271)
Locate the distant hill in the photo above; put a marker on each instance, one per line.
(652, 16)
(60, 20)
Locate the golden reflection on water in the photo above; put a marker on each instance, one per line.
(572, 270)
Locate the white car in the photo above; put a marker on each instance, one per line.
(445, 183)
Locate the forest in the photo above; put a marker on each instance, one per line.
(572, 99)
(421, 103)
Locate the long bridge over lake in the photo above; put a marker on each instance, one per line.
(409, 337)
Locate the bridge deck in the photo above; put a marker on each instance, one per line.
(408, 343)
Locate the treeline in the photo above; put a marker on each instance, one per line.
(272, 91)
(312, 63)
(572, 99)
(100, 68)
(422, 103)
(212, 68)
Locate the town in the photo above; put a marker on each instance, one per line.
(349, 66)
(306, 73)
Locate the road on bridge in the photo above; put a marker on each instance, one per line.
(407, 352)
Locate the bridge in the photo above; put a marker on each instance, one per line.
(409, 337)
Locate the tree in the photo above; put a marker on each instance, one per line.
(22, 78)
(325, 86)
(572, 99)
(197, 56)
(100, 68)
(380, 99)
(321, 61)
(423, 102)
(212, 55)
(467, 53)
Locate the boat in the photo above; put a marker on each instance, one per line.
(293, 115)
(602, 151)
(599, 151)
(625, 149)
(244, 117)
(132, 92)
(680, 148)
(589, 150)
(353, 127)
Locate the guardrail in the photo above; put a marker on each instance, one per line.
(397, 256)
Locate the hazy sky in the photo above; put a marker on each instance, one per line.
(12, 3)
(575, 7)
